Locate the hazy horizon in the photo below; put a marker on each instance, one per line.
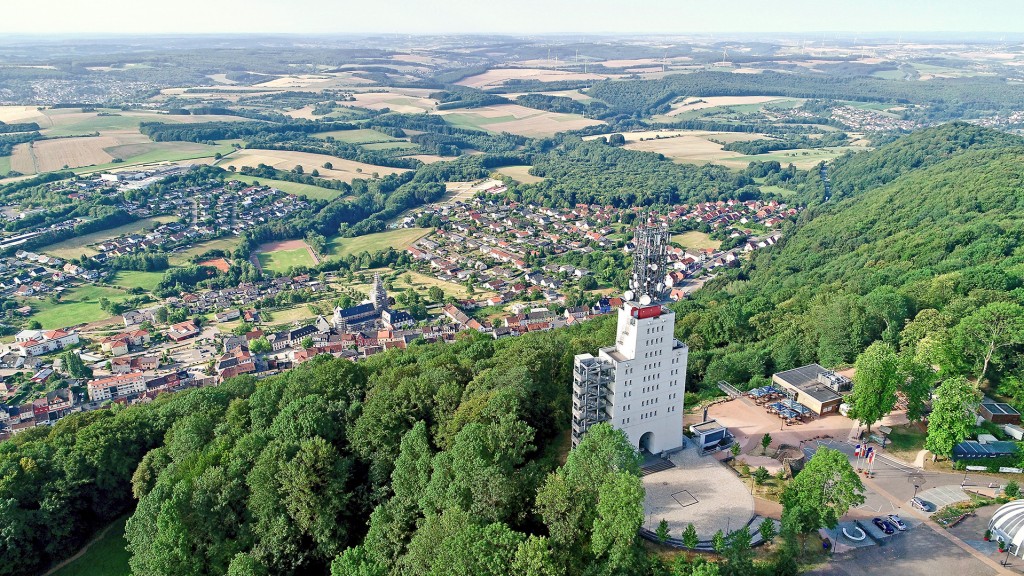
(102, 18)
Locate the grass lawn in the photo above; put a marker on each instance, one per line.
(105, 557)
(228, 243)
(296, 188)
(696, 240)
(76, 306)
(133, 279)
(906, 441)
(75, 247)
(399, 239)
(283, 260)
(289, 315)
(357, 136)
(422, 283)
(778, 190)
(5, 165)
(520, 174)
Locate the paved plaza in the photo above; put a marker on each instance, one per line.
(699, 491)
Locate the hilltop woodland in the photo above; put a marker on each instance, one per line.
(453, 451)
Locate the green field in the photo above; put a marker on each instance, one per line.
(357, 136)
(398, 239)
(778, 190)
(154, 152)
(105, 557)
(284, 260)
(5, 165)
(75, 247)
(88, 125)
(228, 243)
(803, 159)
(76, 306)
(696, 240)
(393, 145)
(133, 279)
(296, 188)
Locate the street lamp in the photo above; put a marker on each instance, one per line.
(1006, 561)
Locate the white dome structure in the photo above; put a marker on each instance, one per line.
(1007, 524)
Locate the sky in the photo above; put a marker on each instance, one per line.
(516, 17)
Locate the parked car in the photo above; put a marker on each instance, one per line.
(920, 504)
(883, 525)
(896, 521)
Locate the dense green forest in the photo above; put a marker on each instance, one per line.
(926, 239)
(949, 97)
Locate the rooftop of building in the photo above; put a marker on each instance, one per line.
(805, 379)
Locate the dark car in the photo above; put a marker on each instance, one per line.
(883, 525)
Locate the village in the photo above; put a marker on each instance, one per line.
(515, 257)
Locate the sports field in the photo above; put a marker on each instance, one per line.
(399, 239)
(696, 240)
(106, 556)
(346, 170)
(135, 279)
(75, 247)
(296, 188)
(284, 260)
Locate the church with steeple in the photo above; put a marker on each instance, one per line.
(370, 310)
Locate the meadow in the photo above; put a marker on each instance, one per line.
(106, 556)
(136, 279)
(345, 170)
(77, 306)
(696, 240)
(357, 136)
(399, 239)
(422, 284)
(520, 174)
(75, 247)
(296, 188)
(226, 243)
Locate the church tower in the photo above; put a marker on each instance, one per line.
(378, 296)
(637, 384)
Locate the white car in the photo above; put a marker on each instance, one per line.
(898, 522)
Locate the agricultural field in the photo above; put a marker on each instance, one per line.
(296, 188)
(345, 170)
(136, 279)
(689, 146)
(520, 174)
(803, 159)
(498, 76)
(357, 136)
(75, 247)
(696, 240)
(106, 556)
(399, 239)
(694, 103)
(180, 258)
(5, 165)
(406, 101)
(516, 119)
(77, 306)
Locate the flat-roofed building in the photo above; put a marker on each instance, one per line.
(813, 386)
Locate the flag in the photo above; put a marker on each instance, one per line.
(871, 457)
(856, 451)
